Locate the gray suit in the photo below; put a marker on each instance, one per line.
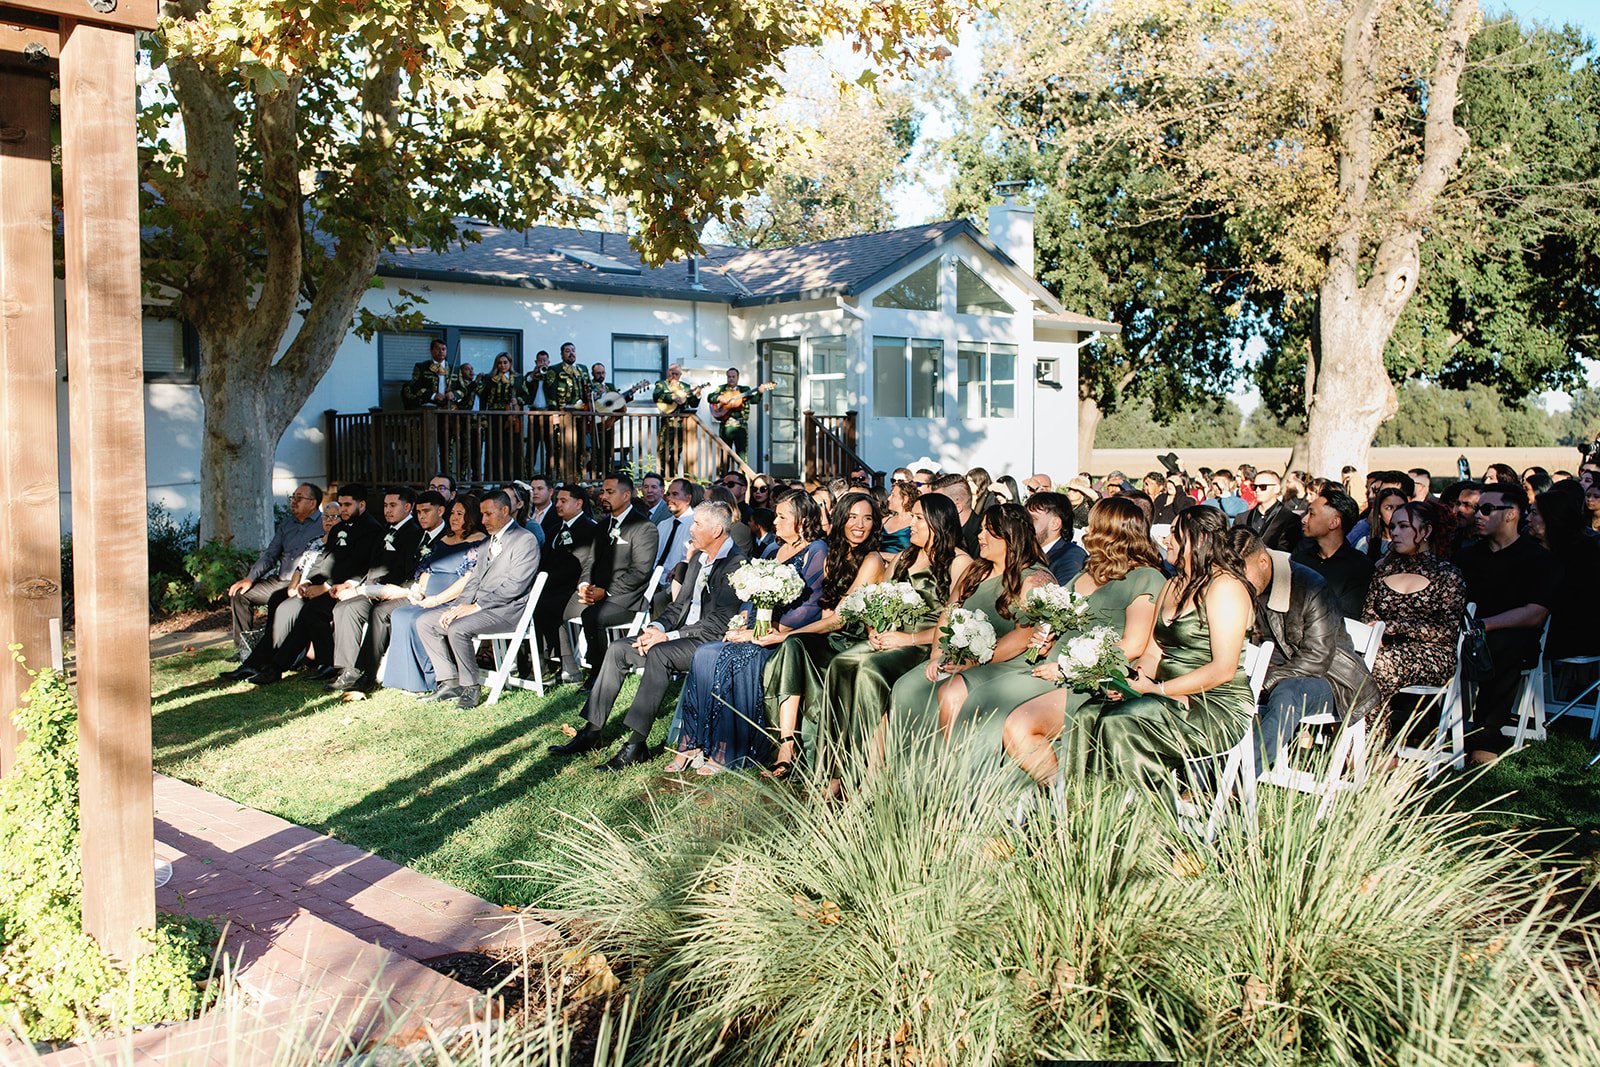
(499, 585)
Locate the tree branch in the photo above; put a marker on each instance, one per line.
(282, 224)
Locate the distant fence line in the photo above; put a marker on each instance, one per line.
(1440, 462)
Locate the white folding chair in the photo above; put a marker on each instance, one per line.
(1586, 705)
(507, 644)
(1529, 709)
(630, 628)
(1239, 762)
(1350, 746)
(1449, 745)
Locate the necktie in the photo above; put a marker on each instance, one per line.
(672, 535)
(494, 547)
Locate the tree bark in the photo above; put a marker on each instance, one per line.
(1089, 416)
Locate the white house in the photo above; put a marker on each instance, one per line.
(938, 337)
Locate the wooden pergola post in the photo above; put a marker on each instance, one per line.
(100, 212)
(30, 523)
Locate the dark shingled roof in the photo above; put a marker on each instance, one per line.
(842, 266)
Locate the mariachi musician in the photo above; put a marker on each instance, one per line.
(731, 406)
(677, 402)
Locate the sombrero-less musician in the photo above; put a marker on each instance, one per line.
(730, 406)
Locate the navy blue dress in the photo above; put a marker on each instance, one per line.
(722, 710)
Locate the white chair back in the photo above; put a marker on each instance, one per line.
(1367, 637)
(1256, 660)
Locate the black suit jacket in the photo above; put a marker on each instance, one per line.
(1066, 560)
(721, 602)
(394, 554)
(569, 553)
(349, 551)
(623, 568)
(1278, 527)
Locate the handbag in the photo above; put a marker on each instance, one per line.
(1477, 663)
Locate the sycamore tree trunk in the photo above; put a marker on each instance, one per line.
(1353, 394)
(1089, 416)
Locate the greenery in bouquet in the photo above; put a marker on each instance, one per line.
(1053, 610)
(967, 637)
(883, 606)
(1094, 661)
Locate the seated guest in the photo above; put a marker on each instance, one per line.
(1561, 512)
(1591, 504)
(672, 535)
(1010, 567)
(897, 519)
(1269, 518)
(1513, 582)
(1051, 515)
(697, 615)
(493, 600)
(1166, 497)
(795, 669)
(825, 497)
(440, 579)
(1314, 668)
(1081, 493)
(1422, 483)
(956, 488)
(1327, 550)
(1195, 698)
(1121, 580)
(1371, 523)
(624, 555)
(272, 569)
(850, 702)
(361, 618)
(1383, 510)
(723, 703)
(444, 485)
(1421, 600)
(1224, 494)
(302, 565)
(765, 543)
(567, 560)
(653, 497)
(1460, 502)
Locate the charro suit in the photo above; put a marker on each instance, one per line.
(699, 613)
(499, 584)
(624, 556)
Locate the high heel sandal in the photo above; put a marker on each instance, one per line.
(784, 768)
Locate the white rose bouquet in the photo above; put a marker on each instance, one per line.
(884, 606)
(767, 584)
(1053, 609)
(966, 637)
(1095, 661)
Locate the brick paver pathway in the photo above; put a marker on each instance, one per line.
(319, 931)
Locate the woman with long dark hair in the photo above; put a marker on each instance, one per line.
(1194, 697)
(1009, 564)
(897, 522)
(1121, 581)
(978, 481)
(795, 670)
(854, 696)
(721, 709)
(1419, 597)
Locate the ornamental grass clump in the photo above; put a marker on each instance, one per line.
(912, 922)
(55, 980)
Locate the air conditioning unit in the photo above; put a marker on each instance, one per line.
(1047, 371)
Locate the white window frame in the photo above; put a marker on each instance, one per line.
(986, 380)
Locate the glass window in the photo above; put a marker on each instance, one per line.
(927, 379)
(986, 380)
(889, 377)
(917, 291)
(826, 393)
(974, 296)
(637, 359)
(482, 349)
(171, 350)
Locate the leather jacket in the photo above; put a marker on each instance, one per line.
(1301, 616)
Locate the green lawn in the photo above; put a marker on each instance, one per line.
(458, 795)
(454, 794)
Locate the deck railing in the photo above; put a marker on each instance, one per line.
(495, 447)
(830, 448)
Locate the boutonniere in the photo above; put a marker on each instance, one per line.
(388, 541)
(426, 550)
(616, 536)
(564, 538)
(343, 538)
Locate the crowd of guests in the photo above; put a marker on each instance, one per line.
(1186, 571)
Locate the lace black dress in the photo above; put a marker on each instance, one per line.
(1419, 629)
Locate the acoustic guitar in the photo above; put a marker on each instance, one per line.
(723, 412)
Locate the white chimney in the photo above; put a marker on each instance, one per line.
(1011, 225)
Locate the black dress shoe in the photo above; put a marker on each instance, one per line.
(269, 676)
(586, 739)
(322, 674)
(238, 674)
(348, 680)
(470, 695)
(443, 692)
(630, 753)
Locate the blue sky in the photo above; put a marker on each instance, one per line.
(924, 200)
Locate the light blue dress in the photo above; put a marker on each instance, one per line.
(407, 666)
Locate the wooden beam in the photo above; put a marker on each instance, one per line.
(126, 14)
(99, 175)
(30, 560)
(28, 46)
(30, 483)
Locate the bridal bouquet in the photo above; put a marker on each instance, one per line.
(1053, 609)
(1094, 661)
(767, 584)
(884, 606)
(966, 637)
